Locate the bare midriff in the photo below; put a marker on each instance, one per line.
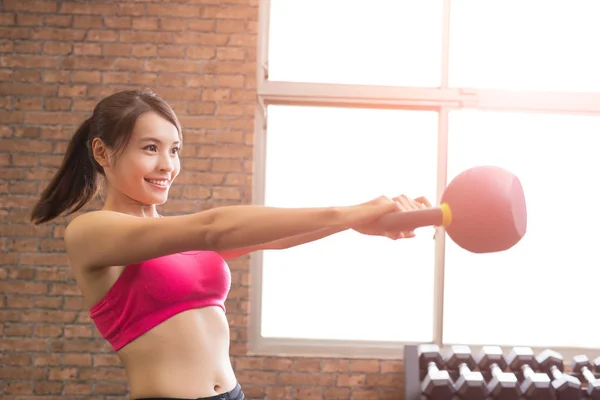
(186, 356)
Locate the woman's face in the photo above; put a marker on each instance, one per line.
(145, 170)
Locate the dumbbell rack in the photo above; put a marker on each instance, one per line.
(414, 375)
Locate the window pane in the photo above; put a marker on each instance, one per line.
(381, 42)
(349, 286)
(527, 294)
(525, 45)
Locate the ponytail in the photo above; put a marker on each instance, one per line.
(75, 183)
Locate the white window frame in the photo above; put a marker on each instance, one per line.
(442, 100)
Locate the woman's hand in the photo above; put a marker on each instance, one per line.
(402, 203)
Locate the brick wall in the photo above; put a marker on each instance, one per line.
(57, 59)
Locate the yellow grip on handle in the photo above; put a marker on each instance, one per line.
(446, 214)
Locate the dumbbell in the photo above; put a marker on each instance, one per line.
(437, 384)
(483, 210)
(566, 387)
(582, 365)
(597, 364)
(535, 385)
(470, 385)
(503, 385)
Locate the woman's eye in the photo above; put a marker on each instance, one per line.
(151, 147)
(176, 150)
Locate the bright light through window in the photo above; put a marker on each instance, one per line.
(349, 286)
(525, 45)
(538, 292)
(374, 42)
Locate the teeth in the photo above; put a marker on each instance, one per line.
(162, 182)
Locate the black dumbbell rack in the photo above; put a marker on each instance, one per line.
(414, 376)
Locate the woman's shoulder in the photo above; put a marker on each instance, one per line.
(87, 226)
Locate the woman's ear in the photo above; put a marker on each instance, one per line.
(100, 153)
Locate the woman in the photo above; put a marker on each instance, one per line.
(156, 286)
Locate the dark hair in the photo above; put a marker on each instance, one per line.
(77, 180)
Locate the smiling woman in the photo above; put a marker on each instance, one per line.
(156, 287)
(103, 139)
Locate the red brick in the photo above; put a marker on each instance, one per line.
(17, 359)
(279, 393)
(79, 63)
(22, 373)
(26, 345)
(18, 330)
(24, 287)
(27, 61)
(44, 388)
(230, 13)
(57, 76)
(201, 53)
(231, 26)
(127, 64)
(77, 359)
(174, 10)
(106, 360)
(308, 393)
(14, 33)
(144, 50)
(200, 39)
(62, 21)
(31, 6)
(257, 377)
(87, 22)
(110, 388)
(57, 48)
(43, 330)
(26, 103)
(57, 104)
(53, 118)
(7, 46)
(336, 394)
(365, 366)
(62, 374)
(131, 9)
(117, 50)
(144, 79)
(77, 388)
(87, 49)
(172, 66)
(88, 8)
(171, 51)
(57, 34)
(145, 37)
(117, 22)
(232, 81)
(48, 302)
(48, 316)
(7, 19)
(101, 36)
(29, 20)
(174, 24)
(145, 23)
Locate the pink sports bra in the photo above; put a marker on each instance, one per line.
(152, 291)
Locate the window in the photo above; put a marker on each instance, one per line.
(401, 97)
(323, 156)
(527, 295)
(525, 45)
(340, 41)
